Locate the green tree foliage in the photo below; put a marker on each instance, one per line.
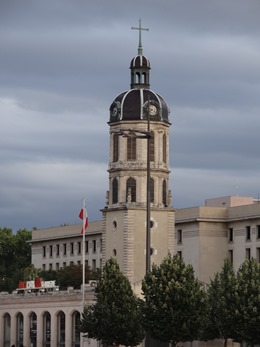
(15, 254)
(248, 302)
(115, 318)
(220, 320)
(72, 276)
(174, 302)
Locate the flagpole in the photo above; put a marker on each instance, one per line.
(83, 252)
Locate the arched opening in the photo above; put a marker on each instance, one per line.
(115, 191)
(151, 189)
(19, 329)
(137, 78)
(33, 329)
(164, 194)
(46, 329)
(76, 329)
(131, 190)
(144, 78)
(61, 335)
(115, 148)
(164, 148)
(7, 330)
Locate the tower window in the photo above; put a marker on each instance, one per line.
(115, 191)
(152, 146)
(164, 148)
(164, 195)
(131, 148)
(115, 147)
(151, 189)
(131, 190)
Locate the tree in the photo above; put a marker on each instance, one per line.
(115, 318)
(220, 319)
(248, 301)
(72, 276)
(174, 302)
(15, 254)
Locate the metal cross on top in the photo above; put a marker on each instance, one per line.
(140, 49)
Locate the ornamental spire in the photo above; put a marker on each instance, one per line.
(140, 48)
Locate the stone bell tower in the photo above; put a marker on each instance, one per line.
(125, 214)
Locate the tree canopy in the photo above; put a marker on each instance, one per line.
(15, 255)
(115, 318)
(220, 320)
(248, 302)
(174, 302)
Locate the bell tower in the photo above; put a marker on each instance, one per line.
(134, 114)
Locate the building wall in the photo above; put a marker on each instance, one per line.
(56, 248)
(205, 235)
(55, 303)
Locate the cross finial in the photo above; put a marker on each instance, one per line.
(140, 48)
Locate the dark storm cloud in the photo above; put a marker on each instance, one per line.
(62, 63)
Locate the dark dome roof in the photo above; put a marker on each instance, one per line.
(140, 61)
(133, 105)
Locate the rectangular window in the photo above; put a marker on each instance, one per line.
(258, 231)
(78, 262)
(43, 267)
(86, 245)
(57, 266)
(179, 236)
(71, 248)
(258, 254)
(115, 147)
(64, 249)
(50, 266)
(71, 263)
(248, 233)
(230, 235)
(248, 253)
(79, 247)
(86, 263)
(64, 264)
(57, 250)
(94, 267)
(131, 148)
(230, 255)
(44, 251)
(94, 246)
(50, 249)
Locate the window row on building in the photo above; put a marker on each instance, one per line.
(249, 229)
(231, 234)
(94, 264)
(71, 249)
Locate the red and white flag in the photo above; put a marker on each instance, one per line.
(81, 216)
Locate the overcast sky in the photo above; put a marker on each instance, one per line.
(62, 62)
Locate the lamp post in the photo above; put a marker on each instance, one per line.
(143, 134)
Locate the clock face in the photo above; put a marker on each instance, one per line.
(152, 110)
(114, 111)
